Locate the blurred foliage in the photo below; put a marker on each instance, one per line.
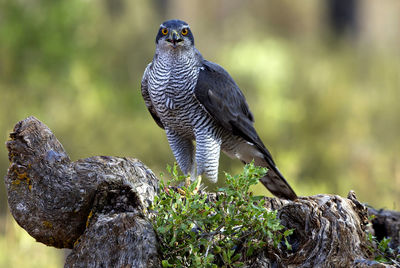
(326, 106)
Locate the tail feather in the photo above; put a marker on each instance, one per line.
(273, 180)
(277, 184)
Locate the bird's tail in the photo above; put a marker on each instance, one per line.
(273, 180)
(277, 184)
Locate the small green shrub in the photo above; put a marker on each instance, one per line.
(382, 251)
(199, 231)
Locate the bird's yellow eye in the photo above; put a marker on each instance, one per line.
(184, 31)
(164, 31)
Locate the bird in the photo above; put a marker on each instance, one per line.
(202, 110)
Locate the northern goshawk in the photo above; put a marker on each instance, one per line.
(193, 99)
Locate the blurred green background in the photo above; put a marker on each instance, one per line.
(321, 77)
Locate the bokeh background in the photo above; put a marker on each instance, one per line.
(321, 77)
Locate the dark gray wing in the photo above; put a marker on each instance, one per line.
(147, 100)
(224, 101)
(220, 95)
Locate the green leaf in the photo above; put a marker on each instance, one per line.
(288, 246)
(288, 232)
(225, 257)
(163, 229)
(165, 263)
(250, 251)
(236, 257)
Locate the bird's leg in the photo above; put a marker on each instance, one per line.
(183, 150)
(207, 155)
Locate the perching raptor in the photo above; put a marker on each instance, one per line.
(196, 100)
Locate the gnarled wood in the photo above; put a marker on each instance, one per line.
(58, 201)
(97, 206)
(329, 229)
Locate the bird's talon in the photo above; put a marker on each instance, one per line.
(187, 181)
(198, 185)
(182, 192)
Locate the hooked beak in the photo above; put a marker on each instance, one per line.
(174, 38)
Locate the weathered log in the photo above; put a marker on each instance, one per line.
(98, 207)
(117, 234)
(95, 206)
(386, 223)
(329, 231)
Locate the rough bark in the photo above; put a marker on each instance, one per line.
(95, 205)
(329, 230)
(98, 207)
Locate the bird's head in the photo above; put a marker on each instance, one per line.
(174, 34)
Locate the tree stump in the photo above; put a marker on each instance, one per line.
(98, 207)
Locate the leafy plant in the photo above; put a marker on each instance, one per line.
(211, 230)
(382, 250)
